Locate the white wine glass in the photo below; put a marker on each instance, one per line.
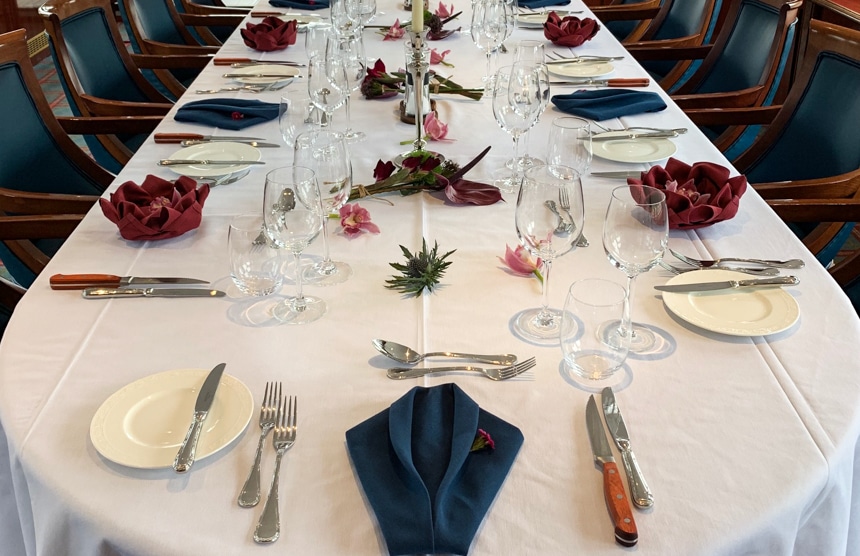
(532, 53)
(352, 63)
(292, 225)
(345, 17)
(516, 105)
(323, 92)
(325, 152)
(635, 235)
(546, 235)
(489, 28)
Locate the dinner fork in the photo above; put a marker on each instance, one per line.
(250, 494)
(764, 271)
(727, 262)
(493, 373)
(269, 527)
(564, 203)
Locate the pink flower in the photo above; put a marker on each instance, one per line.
(521, 263)
(354, 219)
(435, 129)
(437, 58)
(483, 441)
(445, 12)
(394, 32)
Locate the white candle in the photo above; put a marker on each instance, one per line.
(417, 15)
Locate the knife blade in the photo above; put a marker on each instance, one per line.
(632, 135)
(626, 533)
(728, 284)
(242, 75)
(175, 162)
(101, 293)
(81, 281)
(619, 175)
(241, 62)
(639, 491)
(616, 82)
(180, 137)
(185, 456)
(257, 144)
(585, 60)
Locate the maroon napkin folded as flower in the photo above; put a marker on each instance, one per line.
(570, 30)
(157, 209)
(697, 195)
(271, 34)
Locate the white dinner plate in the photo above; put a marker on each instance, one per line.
(581, 69)
(623, 149)
(214, 150)
(531, 21)
(285, 71)
(736, 312)
(143, 424)
(302, 19)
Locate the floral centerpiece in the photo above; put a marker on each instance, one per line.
(379, 84)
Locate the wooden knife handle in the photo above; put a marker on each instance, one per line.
(176, 137)
(619, 508)
(82, 281)
(628, 82)
(230, 61)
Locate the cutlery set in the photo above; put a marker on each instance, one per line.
(102, 286)
(406, 355)
(761, 267)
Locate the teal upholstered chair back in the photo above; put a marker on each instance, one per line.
(621, 28)
(685, 18)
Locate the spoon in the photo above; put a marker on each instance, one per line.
(407, 355)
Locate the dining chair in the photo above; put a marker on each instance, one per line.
(639, 12)
(743, 66)
(806, 162)
(100, 77)
(36, 153)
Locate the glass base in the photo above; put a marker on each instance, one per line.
(327, 274)
(289, 312)
(643, 340)
(352, 136)
(506, 181)
(523, 162)
(541, 326)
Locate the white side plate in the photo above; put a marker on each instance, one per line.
(143, 424)
(632, 150)
(531, 21)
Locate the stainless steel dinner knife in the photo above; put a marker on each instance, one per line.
(100, 293)
(179, 137)
(633, 135)
(640, 494)
(185, 457)
(728, 284)
(185, 162)
(619, 175)
(81, 281)
(256, 75)
(258, 144)
(626, 533)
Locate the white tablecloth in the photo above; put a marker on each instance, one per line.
(748, 443)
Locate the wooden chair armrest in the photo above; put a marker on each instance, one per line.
(211, 20)
(30, 203)
(817, 210)
(41, 226)
(729, 99)
(757, 115)
(104, 107)
(99, 125)
(645, 50)
(627, 12)
(843, 186)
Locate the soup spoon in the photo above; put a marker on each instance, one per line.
(409, 356)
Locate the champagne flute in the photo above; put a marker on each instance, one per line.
(292, 226)
(635, 235)
(349, 51)
(516, 105)
(323, 93)
(325, 152)
(541, 233)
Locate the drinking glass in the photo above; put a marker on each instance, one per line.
(593, 308)
(292, 225)
(489, 27)
(346, 55)
(366, 11)
(316, 37)
(635, 234)
(325, 152)
(295, 116)
(531, 53)
(544, 235)
(255, 264)
(570, 143)
(516, 105)
(345, 17)
(322, 90)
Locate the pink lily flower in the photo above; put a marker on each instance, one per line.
(435, 129)
(354, 219)
(445, 12)
(437, 58)
(520, 263)
(394, 32)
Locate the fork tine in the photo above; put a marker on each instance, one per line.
(519, 368)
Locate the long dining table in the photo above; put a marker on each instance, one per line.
(748, 442)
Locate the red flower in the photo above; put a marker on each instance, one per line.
(472, 192)
(383, 170)
(237, 115)
(482, 441)
(570, 31)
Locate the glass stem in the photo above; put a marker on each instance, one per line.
(525, 148)
(325, 266)
(299, 303)
(515, 171)
(626, 322)
(348, 119)
(545, 317)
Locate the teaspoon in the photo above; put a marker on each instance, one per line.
(407, 355)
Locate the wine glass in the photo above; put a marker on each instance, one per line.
(635, 235)
(295, 116)
(292, 225)
(488, 28)
(345, 17)
(366, 11)
(545, 234)
(325, 152)
(351, 61)
(316, 38)
(516, 105)
(531, 53)
(570, 143)
(325, 94)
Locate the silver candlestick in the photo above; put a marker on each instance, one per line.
(418, 69)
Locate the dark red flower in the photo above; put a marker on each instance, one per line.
(476, 193)
(383, 170)
(237, 115)
(570, 31)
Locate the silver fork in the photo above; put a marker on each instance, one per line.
(269, 527)
(250, 494)
(764, 271)
(727, 262)
(564, 203)
(493, 373)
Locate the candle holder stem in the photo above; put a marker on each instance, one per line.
(418, 72)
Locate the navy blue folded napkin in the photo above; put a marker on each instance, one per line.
(605, 104)
(227, 113)
(535, 4)
(300, 4)
(428, 488)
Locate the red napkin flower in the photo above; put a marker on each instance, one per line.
(697, 195)
(157, 209)
(271, 34)
(569, 31)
